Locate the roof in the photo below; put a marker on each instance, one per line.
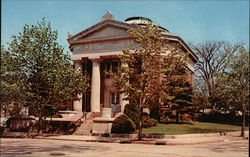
(109, 19)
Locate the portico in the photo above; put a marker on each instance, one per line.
(102, 93)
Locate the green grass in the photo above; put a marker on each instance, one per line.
(197, 127)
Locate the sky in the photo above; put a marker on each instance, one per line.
(194, 21)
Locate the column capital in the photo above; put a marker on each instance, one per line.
(95, 59)
(77, 61)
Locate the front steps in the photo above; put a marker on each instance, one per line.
(94, 123)
(86, 126)
(84, 129)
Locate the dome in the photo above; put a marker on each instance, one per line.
(142, 21)
(138, 20)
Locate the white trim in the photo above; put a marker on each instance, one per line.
(190, 67)
(95, 55)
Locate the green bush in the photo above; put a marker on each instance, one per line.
(225, 118)
(149, 122)
(131, 110)
(123, 124)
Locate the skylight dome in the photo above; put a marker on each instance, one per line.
(142, 21)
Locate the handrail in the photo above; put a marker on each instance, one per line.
(85, 115)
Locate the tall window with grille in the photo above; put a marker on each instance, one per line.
(114, 98)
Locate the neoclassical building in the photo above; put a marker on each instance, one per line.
(95, 51)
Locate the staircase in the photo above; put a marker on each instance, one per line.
(86, 127)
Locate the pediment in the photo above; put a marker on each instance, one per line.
(103, 35)
(104, 30)
(107, 31)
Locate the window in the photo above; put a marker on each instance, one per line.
(114, 98)
(111, 66)
(114, 67)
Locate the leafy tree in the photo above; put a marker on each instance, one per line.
(42, 72)
(147, 67)
(12, 85)
(213, 58)
(234, 86)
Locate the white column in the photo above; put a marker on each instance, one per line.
(122, 95)
(95, 87)
(123, 102)
(77, 105)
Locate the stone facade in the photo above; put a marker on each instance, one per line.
(95, 50)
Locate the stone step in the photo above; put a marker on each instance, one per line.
(83, 132)
(84, 129)
(88, 120)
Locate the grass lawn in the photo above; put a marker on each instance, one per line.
(197, 127)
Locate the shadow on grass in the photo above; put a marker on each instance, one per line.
(190, 123)
(203, 130)
(227, 123)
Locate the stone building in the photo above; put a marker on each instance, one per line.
(95, 50)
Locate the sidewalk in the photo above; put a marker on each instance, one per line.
(187, 139)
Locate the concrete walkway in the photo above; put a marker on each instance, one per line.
(166, 140)
(186, 139)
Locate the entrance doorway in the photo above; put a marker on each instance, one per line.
(114, 102)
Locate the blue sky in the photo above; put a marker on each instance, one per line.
(195, 21)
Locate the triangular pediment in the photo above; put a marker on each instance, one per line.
(107, 31)
(104, 30)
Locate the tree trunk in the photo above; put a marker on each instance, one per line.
(140, 123)
(243, 123)
(40, 123)
(177, 120)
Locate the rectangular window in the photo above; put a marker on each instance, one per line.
(115, 98)
(114, 67)
(111, 66)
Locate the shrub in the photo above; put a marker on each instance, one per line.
(149, 122)
(123, 124)
(227, 118)
(131, 110)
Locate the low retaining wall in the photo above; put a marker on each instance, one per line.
(159, 136)
(21, 124)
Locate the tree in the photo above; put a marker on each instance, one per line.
(12, 85)
(213, 58)
(200, 96)
(41, 70)
(234, 85)
(182, 101)
(147, 67)
(179, 90)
